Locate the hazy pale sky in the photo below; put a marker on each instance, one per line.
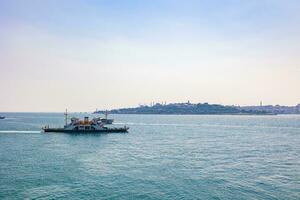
(84, 55)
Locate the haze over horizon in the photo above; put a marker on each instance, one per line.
(84, 55)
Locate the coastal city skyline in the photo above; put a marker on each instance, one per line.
(100, 54)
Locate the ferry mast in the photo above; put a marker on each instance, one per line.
(66, 117)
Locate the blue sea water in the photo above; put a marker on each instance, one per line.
(161, 157)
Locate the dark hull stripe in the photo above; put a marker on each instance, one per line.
(119, 130)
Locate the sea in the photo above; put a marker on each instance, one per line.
(161, 157)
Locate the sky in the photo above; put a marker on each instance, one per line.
(84, 55)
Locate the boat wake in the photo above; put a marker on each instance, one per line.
(17, 131)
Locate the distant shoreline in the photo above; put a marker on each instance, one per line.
(241, 114)
(205, 109)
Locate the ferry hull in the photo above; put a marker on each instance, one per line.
(109, 130)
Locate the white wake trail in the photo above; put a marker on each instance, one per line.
(17, 131)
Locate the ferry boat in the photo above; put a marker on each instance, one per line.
(85, 126)
(105, 120)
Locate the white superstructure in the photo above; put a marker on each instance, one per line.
(85, 125)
